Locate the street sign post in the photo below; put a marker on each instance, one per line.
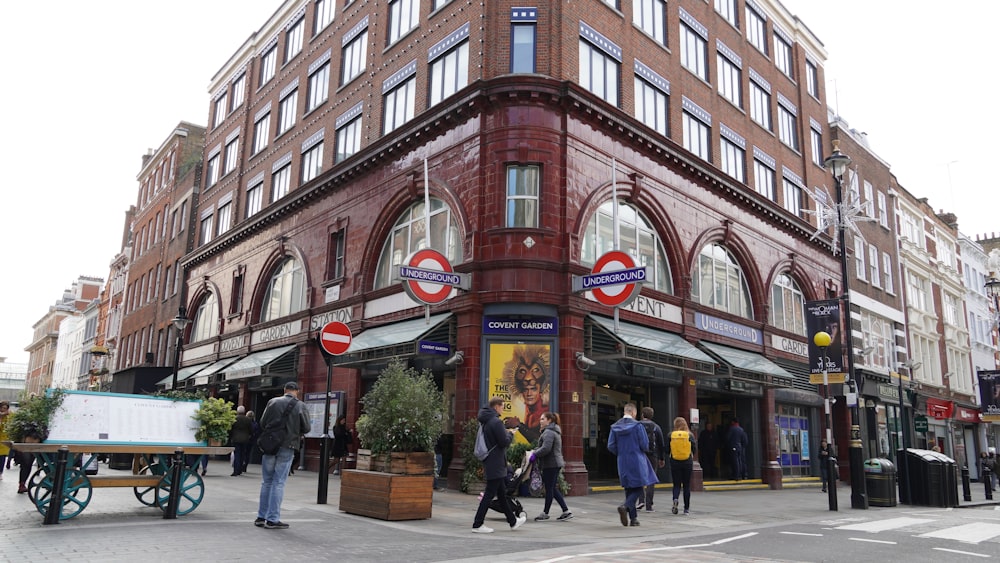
(335, 338)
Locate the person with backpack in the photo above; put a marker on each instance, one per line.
(682, 446)
(627, 440)
(655, 453)
(495, 438)
(284, 422)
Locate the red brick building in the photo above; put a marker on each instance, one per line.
(332, 125)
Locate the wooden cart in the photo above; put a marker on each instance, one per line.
(153, 482)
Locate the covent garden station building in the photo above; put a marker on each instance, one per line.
(523, 184)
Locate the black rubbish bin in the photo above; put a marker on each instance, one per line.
(929, 479)
(120, 461)
(880, 482)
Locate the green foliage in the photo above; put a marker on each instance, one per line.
(473, 472)
(216, 417)
(32, 418)
(181, 395)
(404, 411)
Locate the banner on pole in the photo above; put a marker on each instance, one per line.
(825, 316)
(989, 394)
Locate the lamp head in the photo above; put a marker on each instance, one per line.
(837, 162)
(822, 339)
(993, 285)
(181, 321)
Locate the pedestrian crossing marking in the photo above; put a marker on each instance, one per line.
(883, 525)
(969, 533)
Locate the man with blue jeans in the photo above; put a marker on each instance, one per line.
(274, 468)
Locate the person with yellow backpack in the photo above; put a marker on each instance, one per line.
(681, 446)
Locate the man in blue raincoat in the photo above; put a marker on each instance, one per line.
(629, 442)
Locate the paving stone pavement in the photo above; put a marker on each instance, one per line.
(115, 526)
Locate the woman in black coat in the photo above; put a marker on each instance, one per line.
(341, 440)
(495, 467)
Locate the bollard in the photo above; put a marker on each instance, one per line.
(174, 499)
(58, 487)
(987, 480)
(832, 473)
(966, 490)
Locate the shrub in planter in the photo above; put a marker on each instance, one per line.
(216, 417)
(403, 412)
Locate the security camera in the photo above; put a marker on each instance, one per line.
(456, 359)
(584, 362)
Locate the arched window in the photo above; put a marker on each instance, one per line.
(788, 305)
(206, 319)
(718, 282)
(636, 237)
(286, 292)
(409, 234)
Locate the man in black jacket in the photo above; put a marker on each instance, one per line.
(655, 453)
(274, 468)
(495, 467)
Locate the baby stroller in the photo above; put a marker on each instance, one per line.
(512, 484)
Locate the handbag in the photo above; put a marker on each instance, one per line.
(274, 434)
(535, 486)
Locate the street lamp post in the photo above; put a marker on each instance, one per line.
(822, 340)
(180, 323)
(837, 163)
(911, 366)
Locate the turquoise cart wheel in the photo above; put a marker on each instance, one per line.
(147, 495)
(76, 494)
(191, 487)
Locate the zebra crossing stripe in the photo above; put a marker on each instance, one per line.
(883, 525)
(970, 533)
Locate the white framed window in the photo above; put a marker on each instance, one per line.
(812, 79)
(651, 106)
(783, 56)
(450, 72)
(916, 288)
(349, 139)
(286, 291)
(212, 170)
(268, 65)
(793, 197)
(816, 145)
(730, 80)
(353, 57)
(636, 236)
(404, 15)
(951, 307)
(859, 259)
(887, 273)
(599, 72)
(883, 211)
(788, 305)
(239, 91)
(788, 127)
(293, 39)
(287, 111)
(694, 52)
(232, 154)
(877, 333)
(729, 12)
(718, 282)
(733, 159)
(255, 198)
(207, 228)
(281, 181)
(869, 206)
(325, 11)
(319, 87)
(873, 263)
(523, 36)
(221, 105)
(756, 29)
(206, 319)
(523, 183)
(224, 214)
(764, 180)
(409, 234)
(312, 162)
(399, 104)
(651, 17)
(696, 136)
(261, 131)
(760, 105)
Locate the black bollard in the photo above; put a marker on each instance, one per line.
(174, 499)
(988, 481)
(58, 487)
(966, 490)
(831, 482)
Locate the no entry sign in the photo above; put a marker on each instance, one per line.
(335, 338)
(428, 277)
(614, 280)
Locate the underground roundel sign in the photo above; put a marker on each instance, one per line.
(614, 281)
(427, 277)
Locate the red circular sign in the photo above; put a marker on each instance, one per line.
(614, 295)
(428, 292)
(335, 338)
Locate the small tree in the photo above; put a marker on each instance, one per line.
(404, 411)
(34, 415)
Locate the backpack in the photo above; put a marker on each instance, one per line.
(651, 434)
(481, 451)
(680, 445)
(274, 434)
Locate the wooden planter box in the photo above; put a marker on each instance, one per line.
(386, 496)
(414, 463)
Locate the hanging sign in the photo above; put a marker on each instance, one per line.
(428, 277)
(614, 281)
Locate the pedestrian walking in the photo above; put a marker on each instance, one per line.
(708, 448)
(274, 468)
(341, 440)
(497, 439)
(239, 436)
(987, 470)
(825, 453)
(736, 441)
(549, 457)
(682, 446)
(993, 457)
(629, 442)
(254, 432)
(4, 449)
(656, 452)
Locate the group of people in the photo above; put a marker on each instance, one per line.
(734, 443)
(23, 460)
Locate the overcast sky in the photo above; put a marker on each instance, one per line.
(99, 83)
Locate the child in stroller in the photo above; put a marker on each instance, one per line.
(512, 484)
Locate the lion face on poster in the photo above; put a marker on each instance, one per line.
(527, 377)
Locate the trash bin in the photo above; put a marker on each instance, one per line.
(929, 478)
(880, 481)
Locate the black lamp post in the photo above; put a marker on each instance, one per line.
(180, 323)
(910, 366)
(837, 163)
(993, 290)
(822, 340)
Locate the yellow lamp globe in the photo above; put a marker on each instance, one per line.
(822, 339)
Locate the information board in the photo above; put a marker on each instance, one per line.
(87, 417)
(316, 409)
